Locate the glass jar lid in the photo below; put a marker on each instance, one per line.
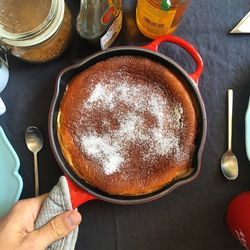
(28, 22)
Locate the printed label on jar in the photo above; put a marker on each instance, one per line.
(154, 20)
(108, 38)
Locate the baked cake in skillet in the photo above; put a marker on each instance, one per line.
(127, 126)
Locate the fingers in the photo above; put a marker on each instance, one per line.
(36, 203)
(39, 200)
(24, 213)
(57, 228)
(31, 206)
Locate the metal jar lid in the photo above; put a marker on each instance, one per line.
(28, 22)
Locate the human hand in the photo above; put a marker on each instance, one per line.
(17, 227)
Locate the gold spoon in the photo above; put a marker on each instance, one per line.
(229, 163)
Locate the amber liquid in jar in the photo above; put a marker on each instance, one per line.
(155, 18)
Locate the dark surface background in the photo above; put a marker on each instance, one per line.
(193, 216)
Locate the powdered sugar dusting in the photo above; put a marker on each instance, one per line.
(143, 117)
(102, 150)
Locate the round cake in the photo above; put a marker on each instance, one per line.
(127, 126)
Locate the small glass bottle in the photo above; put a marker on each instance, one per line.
(100, 21)
(155, 18)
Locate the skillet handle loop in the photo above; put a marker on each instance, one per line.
(78, 196)
(186, 46)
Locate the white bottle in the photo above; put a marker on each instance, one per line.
(4, 77)
(247, 130)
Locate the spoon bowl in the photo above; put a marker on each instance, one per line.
(229, 165)
(34, 139)
(34, 142)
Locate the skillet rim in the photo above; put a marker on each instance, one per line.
(52, 128)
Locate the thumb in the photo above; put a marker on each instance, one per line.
(57, 228)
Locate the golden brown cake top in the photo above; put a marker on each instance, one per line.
(127, 121)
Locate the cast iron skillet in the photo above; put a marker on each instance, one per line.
(80, 190)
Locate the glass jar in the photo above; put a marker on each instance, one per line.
(100, 21)
(35, 31)
(155, 18)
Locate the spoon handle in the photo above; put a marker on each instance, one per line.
(230, 118)
(36, 175)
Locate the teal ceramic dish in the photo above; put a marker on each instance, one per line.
(247, 130)
(11, 183)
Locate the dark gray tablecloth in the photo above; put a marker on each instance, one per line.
(193, 216)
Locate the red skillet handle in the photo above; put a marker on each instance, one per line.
(78, 196)
(186, 46)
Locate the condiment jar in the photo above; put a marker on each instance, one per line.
(156, 18)
(35, 31)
